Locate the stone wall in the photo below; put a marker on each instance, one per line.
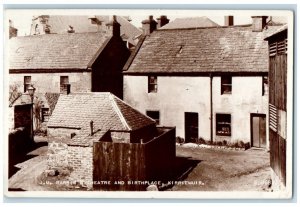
(61, 132)
(77, 159)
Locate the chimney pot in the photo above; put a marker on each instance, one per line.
(149, 25)
(162, 21)
(228, 21)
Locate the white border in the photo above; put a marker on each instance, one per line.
(168, 194)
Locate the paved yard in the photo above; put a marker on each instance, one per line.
(223, 170)
(202, 169)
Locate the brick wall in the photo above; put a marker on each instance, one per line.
(81, 160)
(76, 158)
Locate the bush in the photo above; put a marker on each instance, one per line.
(40, 132)
(179, 140)
(201, 140)
(224, 143)
(241, 144)
(219, 143)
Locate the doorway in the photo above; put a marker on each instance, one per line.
(191, 126)
(258, 130)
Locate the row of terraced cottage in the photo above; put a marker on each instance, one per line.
(208, 81)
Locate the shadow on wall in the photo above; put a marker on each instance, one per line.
(20, 145)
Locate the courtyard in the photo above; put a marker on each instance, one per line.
(196, 169)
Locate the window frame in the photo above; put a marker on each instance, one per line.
(156, 119)
(224, 123)
(27, 83)
(265, 90)
(226, 82)
(63, 83)
(152, 86)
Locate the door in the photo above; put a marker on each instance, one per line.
(191, 126)
(258, 130)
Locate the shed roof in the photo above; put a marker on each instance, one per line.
(55, 51)
(194, 50)
(106, 111)
(190, 22)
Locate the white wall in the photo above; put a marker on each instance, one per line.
(177, 95)
(246, 98)
(50, 82)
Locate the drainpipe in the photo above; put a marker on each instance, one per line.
(211, 108)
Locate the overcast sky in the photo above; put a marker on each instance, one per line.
(22, 18)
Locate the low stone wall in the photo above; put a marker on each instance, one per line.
(78, 159)
(61, 132)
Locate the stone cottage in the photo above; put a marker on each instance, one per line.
(70, 62)
(80, 119)
(209, 82)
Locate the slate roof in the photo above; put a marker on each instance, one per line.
(81, 23)
(190, 22)
(55, 51)
(106, 111)
(218, 49)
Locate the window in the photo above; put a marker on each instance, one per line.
(45, 114)
(265, 85)
(154, 115)
(27, 82)
(223, 124)
(64, 84)
(152, 84)
(226, 84)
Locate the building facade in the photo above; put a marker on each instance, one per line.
(210, 83)
(71, 62)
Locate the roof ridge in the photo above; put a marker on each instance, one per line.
(118, 111)
(195, 28)
(115, 97)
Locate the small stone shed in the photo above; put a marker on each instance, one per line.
(80, 119)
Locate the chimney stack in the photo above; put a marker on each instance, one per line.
(228, 21)
(13, 32)
(116, 27)
(149, 25)
(162, 21)
(258, 23)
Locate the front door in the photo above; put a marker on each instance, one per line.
(191, 126)
(258, 130)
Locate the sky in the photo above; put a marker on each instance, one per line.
(22, 18)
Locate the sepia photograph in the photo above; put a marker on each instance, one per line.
(148, 103)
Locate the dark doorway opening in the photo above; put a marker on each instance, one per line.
(191, 126)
